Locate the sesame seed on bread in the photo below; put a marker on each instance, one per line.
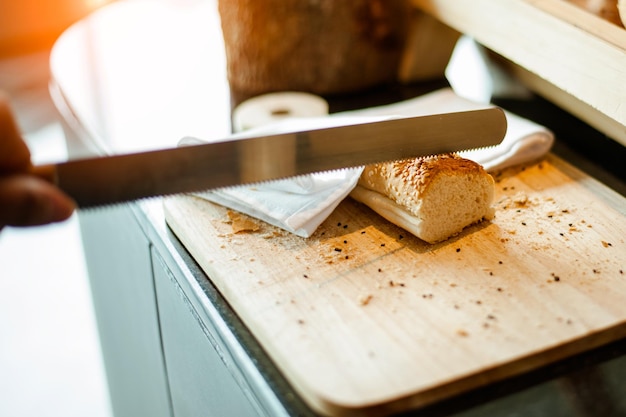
(434, 198)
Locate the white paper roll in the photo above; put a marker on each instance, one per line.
(273, 107)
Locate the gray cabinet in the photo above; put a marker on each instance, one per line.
(200, 382)
(164, 356)
(120, 273)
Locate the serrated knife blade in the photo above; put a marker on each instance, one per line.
(120, 178)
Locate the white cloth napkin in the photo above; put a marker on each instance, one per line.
(300, 205)
(524, 141)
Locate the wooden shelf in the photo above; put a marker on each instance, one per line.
(564, 53)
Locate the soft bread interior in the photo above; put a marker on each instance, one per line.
(433, 198)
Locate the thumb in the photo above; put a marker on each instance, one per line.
(14, 154)
(30, 201)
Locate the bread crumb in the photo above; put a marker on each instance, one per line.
(272, 234)
(520, 199)
(365, 299)
(241, 223)
(462, 333)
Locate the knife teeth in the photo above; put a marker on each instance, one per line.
(105, 206)
(260, 159)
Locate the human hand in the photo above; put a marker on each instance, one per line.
(25, 200)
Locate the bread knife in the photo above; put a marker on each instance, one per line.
(115, 179)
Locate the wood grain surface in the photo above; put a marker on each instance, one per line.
(365, 319)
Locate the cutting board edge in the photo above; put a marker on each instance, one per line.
(466, 384)
(614, 199)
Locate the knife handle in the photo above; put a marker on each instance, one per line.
(45, 172)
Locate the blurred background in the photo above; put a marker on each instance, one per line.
(50, 360)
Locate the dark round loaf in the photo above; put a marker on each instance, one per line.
(317, 46)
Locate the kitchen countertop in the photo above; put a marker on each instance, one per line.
(126, 93)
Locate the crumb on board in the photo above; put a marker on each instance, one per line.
(462, 333)
(365, 299)
(520, 199)
(241, 223)
(273, 234)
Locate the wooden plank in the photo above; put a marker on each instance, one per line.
(365, 319)
(579, 53)
(569, 103)
(586, 21)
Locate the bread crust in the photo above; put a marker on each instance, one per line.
(434, 198)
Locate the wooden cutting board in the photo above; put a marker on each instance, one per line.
(363, 318)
